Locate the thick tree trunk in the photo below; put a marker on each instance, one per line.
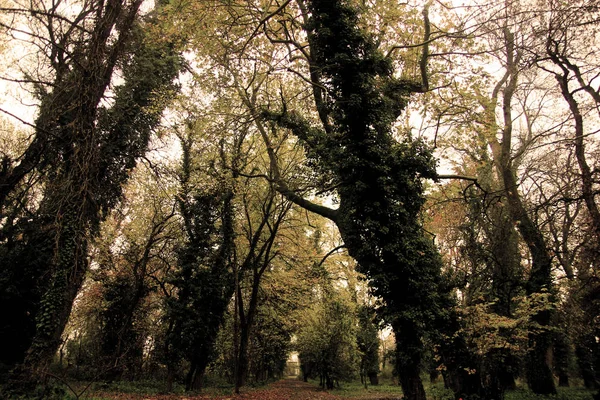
(561, 358)
(540, 279)
(61, 288)
(412, 387)
(170, 378)
(585, 361)
(539, 374)
(189, 377)
(373, 378)
(563, 380)
(242, 362)
(198, 379)
(408, 361)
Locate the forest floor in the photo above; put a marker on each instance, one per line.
(294, 389)
(285, 389)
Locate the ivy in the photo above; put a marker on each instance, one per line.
(378, 178)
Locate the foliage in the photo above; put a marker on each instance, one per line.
(203, 282)
(378, 179)
(85, 159)
(367, 337)
(326, 340)
(488, 331)
(307, 102)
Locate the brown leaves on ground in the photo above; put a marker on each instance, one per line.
(286, 389)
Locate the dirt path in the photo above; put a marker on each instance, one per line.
(285, 389)
(289, 389)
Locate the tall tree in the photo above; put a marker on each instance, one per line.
(133, 253)
(326, 340)
(204, 281)
(85, 151)
(566, 54)
(496, 118)
(261, 250)
(377, 178)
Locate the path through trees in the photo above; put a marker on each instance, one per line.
(285, 389)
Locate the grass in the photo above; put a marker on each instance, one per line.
(351, 390)
(357, 390)
(564, 393)
(437, 391)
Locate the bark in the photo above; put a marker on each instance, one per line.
(539, 374)
(198, 378)
(587, 179)
(408, 360)
(189, 377)
(63, 283)
(242, 359)
(561, 358)
(585, 361)
(373, 378)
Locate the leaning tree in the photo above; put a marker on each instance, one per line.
(82, 150)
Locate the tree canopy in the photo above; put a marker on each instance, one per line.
(204, 188)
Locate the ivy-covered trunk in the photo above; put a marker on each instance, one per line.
(377, 177)
(89, 158)
(408, 360)
(62, 281)
(204, 279)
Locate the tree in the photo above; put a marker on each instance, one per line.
(133, 253)
(84, 151)
(348, 138)
(376, 178)
(326, 340)
(497, 126)
(261, 250)
(368, 344)
(204, 281)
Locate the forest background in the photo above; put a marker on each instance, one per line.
(190, 191)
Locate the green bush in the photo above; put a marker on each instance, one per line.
(439, 392)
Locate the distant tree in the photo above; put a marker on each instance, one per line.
(326, 339)
(265, 215)
(367, 337)
(133, 254)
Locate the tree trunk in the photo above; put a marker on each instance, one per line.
(412, 387)
(60, 291)
(198, 379)
(373, 378)
(540, 280)
(189, 377)
(585, 361)
(170, 378)
(561, 358)
(242, 363)
(539, 375)
(408, 361)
